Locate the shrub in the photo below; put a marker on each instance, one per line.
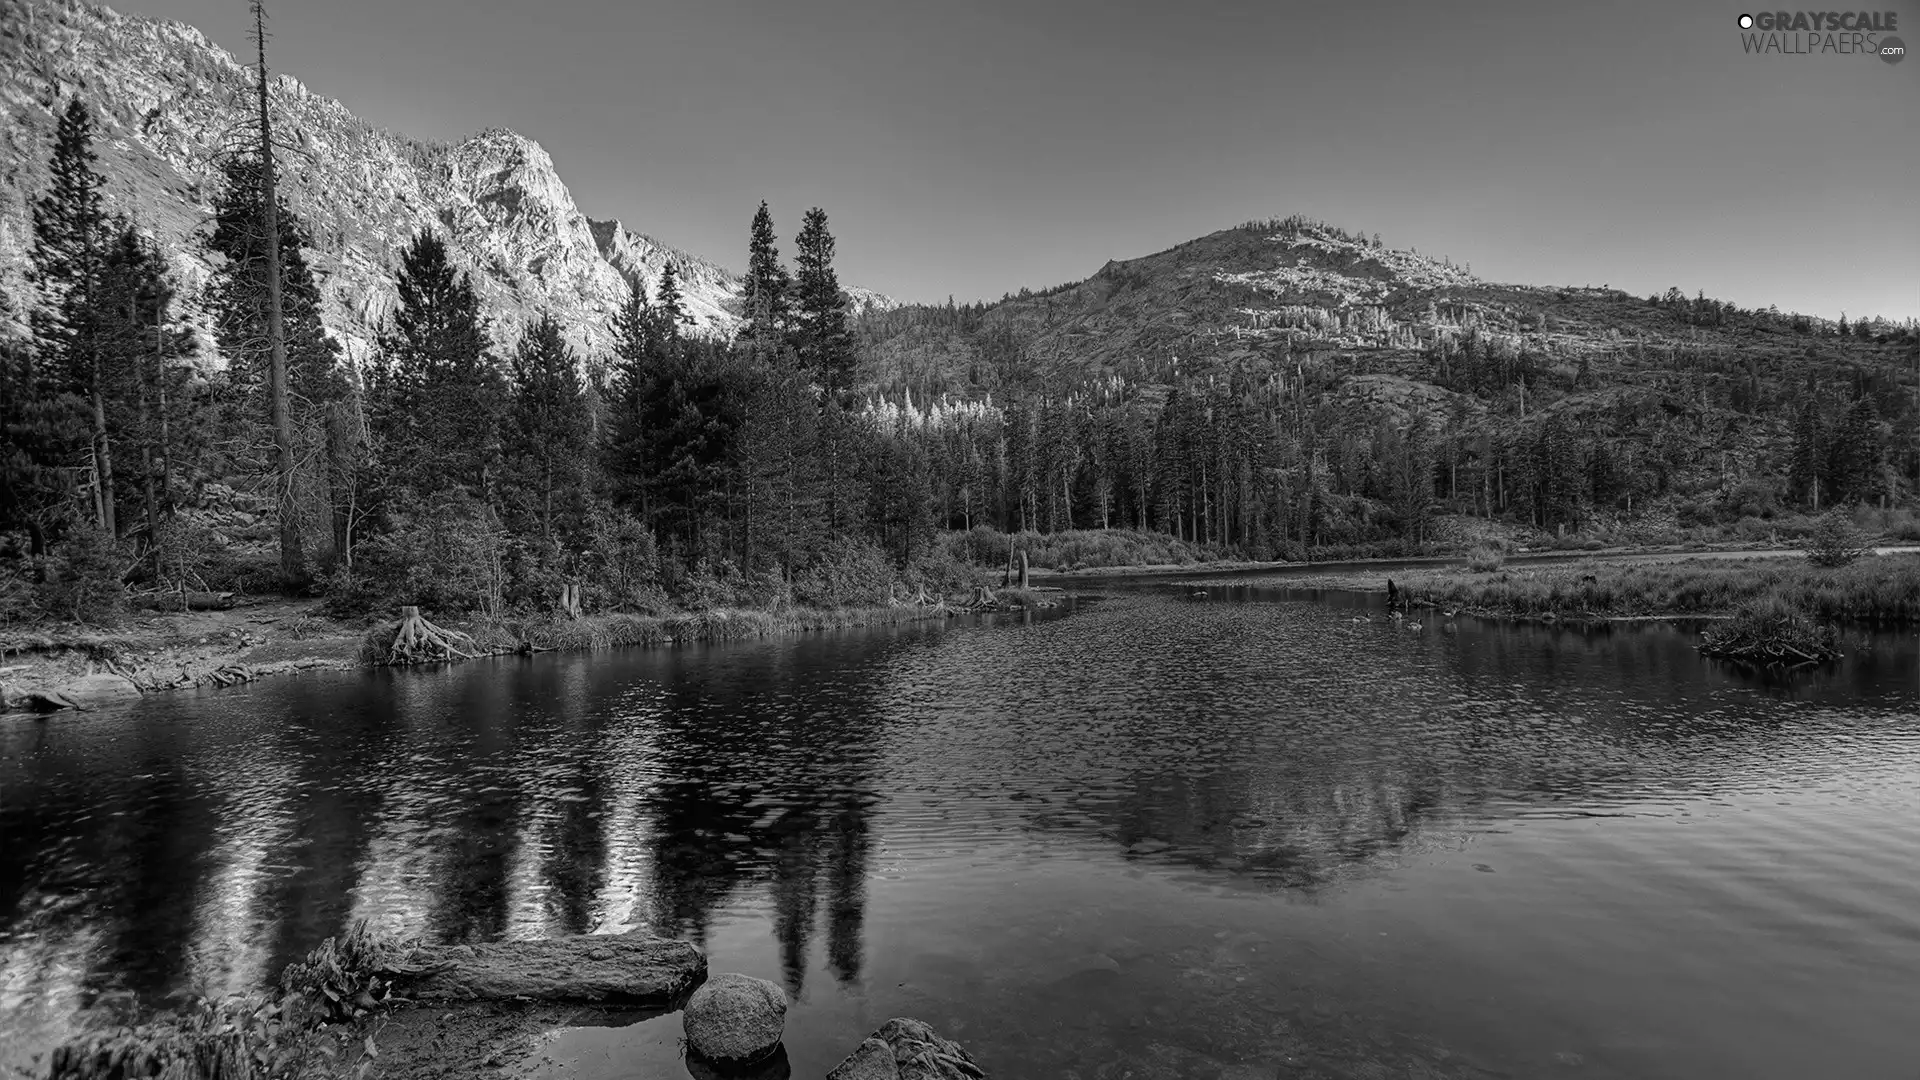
(847, 571)
(1836, 540)
(449, 556)
(82, 580)
(1485, 558)
(621, 569)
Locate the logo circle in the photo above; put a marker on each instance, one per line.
(1892, 50)
(1746, 22)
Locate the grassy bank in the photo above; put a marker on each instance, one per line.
(1883, 589)
(89, 666)
(497, 636)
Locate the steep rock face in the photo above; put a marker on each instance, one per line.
(169, 102)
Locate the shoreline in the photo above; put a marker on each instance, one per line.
(1523, 557)
(47, 668)
(68, 666)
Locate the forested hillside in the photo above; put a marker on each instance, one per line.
(1288, 385)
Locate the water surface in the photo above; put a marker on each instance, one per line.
(1271, 833)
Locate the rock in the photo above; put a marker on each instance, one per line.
(626, 969)
(774, 1067)
(872, 1061)
(907, 1049)
(735, 1019)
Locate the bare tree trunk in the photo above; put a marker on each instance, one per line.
(102, 453)
(292, 559)
(146, 459)
(166, 436)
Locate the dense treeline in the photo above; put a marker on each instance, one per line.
(788, 465)
(447, 473)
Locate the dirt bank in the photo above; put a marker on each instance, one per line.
(151, 651)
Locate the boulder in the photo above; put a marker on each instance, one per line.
(907, 1049)
(616, 969)
(735, 1019)
(774, 1067)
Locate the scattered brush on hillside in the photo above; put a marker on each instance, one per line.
(1771, 630)
(1883, 589)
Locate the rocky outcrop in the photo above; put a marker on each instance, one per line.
(614, 969)
(735, 1020)
(907, 1049)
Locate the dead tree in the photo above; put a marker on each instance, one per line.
(292, 559)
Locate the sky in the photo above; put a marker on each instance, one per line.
(968, 149)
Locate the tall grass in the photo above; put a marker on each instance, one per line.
(499, 636)
(1882, 589)
(1081, 549)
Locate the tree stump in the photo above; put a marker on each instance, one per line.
(1023, 571)
(419, 641)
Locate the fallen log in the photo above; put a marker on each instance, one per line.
(185, 601)
(625, 969)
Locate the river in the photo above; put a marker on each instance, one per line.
(1271, 832)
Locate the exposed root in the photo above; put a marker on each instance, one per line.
(418, 641)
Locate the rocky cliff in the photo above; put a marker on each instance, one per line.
(170, 102)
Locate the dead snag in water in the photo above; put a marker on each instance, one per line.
(419, 641)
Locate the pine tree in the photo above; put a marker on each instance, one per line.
(670, 306)
(42, 423)
(1859, 459)
(71, 238)
(626, 463)
(268, 326)
(141, 345)
(1807, 465)
(437, 404)
(547, 435)
(820, 315)
(765, 291)
(778, 456)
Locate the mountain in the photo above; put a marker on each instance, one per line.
(168, 101)
(1362, 337)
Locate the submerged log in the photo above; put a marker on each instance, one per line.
(618, 969)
